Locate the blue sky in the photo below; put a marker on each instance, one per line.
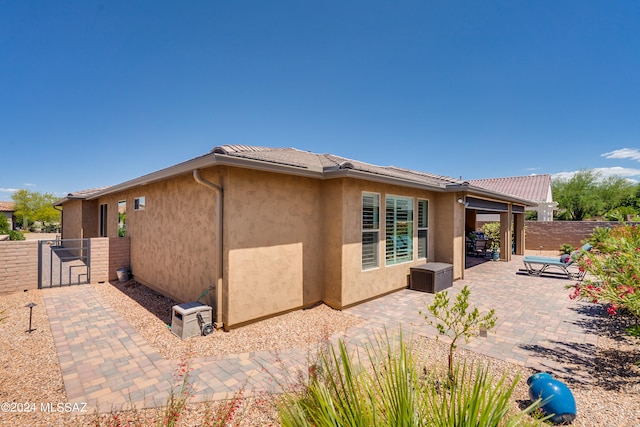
(97, 93)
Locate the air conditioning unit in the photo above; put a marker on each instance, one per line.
(431, 277)
(191, 319)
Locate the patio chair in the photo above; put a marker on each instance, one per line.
(536, 265)
(481, 247)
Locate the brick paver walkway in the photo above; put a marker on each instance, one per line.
(107, 364)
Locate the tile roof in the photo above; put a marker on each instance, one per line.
(7, 206)
(532, 187)
(306, 163)
(329, 162)
(82, 194)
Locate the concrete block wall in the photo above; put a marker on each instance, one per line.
(119, 255)
(19, 262)
(18, 265)
(548, 236)
(99, 259)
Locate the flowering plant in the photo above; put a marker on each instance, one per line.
(614, 271)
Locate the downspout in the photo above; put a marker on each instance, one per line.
(196, 175)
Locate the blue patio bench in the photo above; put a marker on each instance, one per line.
(536, 265)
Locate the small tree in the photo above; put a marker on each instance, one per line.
(456, 320)
(33, 206)
(4, 225)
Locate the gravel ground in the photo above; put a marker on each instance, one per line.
(30, 370)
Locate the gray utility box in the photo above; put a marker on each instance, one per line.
(431, 277)
(185, 322)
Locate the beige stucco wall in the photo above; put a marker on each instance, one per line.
(172, 241)
(332, 227)
(289, 241)
(80, 219)
(273, 243)
(358, 285)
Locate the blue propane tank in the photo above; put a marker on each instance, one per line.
(561, 402)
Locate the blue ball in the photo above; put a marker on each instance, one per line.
(561, 402)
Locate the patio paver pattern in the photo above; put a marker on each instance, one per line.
(108, 365)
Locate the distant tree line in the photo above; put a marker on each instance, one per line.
(36, 209)
(587, 195)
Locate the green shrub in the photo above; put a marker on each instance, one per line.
(385, 389)
(4, 224)
(614, 272)
(16, 235)
(566, 248)
(492, 231)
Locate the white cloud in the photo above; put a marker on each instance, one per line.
(628, 173)
(623, 153)
(8, 190)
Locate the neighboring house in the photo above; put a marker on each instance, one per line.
(8, 209)
(278, 229)
(533, 187)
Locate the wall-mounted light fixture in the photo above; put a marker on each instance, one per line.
(462, 202)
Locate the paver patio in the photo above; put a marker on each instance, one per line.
(108, 365)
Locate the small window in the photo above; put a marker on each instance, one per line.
(103, 220)
(370, 230)
(122, 218)
(138, 204)
(423, 228)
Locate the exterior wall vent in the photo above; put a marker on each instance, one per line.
(346, 165)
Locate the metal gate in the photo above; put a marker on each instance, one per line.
(63, 262)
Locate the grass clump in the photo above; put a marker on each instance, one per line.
(386, 389)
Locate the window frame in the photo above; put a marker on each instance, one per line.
(395, 237)
(424, 227)
(373, 230)
(122, 218)
(103, 220)
(137, 205)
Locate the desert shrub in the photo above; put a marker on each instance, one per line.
(566, 248)
(16, 235)
(613, 271)
(386, 389)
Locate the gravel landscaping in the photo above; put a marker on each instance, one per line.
(31, 373)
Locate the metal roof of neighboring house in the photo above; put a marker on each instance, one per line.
(7, 207)
(532, 187)
(297, 162)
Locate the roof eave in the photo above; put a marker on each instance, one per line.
(478, 191)
(198, 163)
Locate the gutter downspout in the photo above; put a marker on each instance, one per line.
(219, 247)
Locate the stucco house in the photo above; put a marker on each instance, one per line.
(531, 187)
(278, 229)
(8, 209)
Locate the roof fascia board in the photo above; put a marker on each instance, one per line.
(227, 160)
(207, 161)
(179, 169)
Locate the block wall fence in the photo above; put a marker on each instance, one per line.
(19, 262)
(550, 235)
(19, 259)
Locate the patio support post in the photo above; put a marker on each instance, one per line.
(219, 246)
